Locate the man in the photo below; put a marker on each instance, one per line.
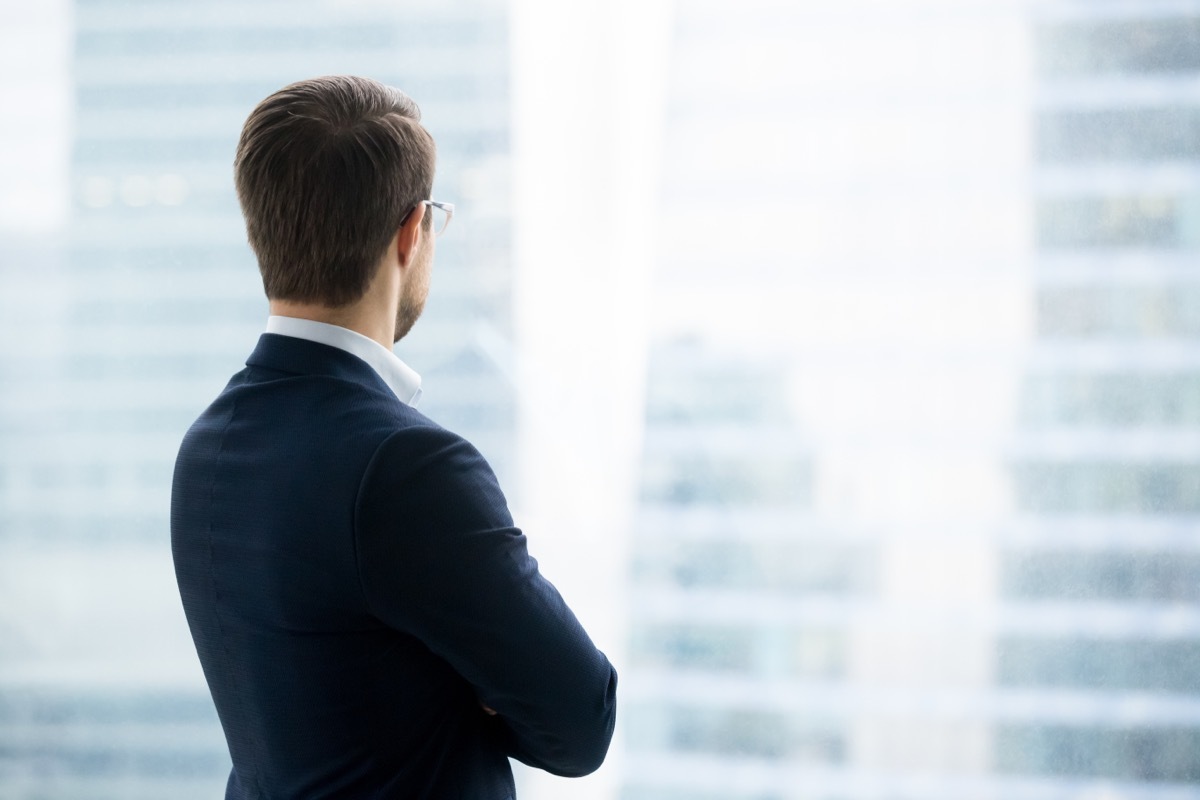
(369, 621)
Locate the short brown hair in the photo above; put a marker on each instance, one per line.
(326, 170)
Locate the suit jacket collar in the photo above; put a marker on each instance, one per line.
(395, 373)
(303, 357)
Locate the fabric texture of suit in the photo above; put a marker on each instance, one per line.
(356, 591)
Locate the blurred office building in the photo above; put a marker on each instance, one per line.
(921, 471)
(143, 301)
(920, 479)
(1103, 585)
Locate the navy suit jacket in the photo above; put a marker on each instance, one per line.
(356, 592)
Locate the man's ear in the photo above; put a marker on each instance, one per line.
(409, 235)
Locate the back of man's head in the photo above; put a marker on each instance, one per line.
(326, 170)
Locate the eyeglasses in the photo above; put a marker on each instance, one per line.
(442, 215)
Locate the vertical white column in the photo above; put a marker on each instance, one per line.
(35, 65)
(587, 120)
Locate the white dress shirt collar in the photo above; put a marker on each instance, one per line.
(402, 379)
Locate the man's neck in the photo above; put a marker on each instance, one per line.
(355, 317)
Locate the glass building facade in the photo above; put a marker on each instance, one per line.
(1106, 475)
(131, 317)
(919, 490)
(916, 506)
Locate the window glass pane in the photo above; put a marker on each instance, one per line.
(1123, 665)
(1101, 575)
(1109, 222)
(1132, 486)
(1136, 754)
(909, 357)
(1111, 400)
(1156, 44)
(1141, 134)
(126, 310)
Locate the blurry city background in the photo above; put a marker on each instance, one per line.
(840, 359)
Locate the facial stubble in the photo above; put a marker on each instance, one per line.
(414, 291)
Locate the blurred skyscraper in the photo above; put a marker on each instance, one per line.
(146, 301)
(922, 466)
(1106, 471)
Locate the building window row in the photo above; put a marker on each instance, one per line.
(718, 480)
(809, 654)
(1126, 134)
(1103, 664)
(1150, 221)
(1119, 311)
(1137, 754)
(1156, 576)
(1146, 46)
(775, 736)
(781, 567)
(1111, 400)
(1106, 487)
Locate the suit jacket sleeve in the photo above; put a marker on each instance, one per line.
(439, 558)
